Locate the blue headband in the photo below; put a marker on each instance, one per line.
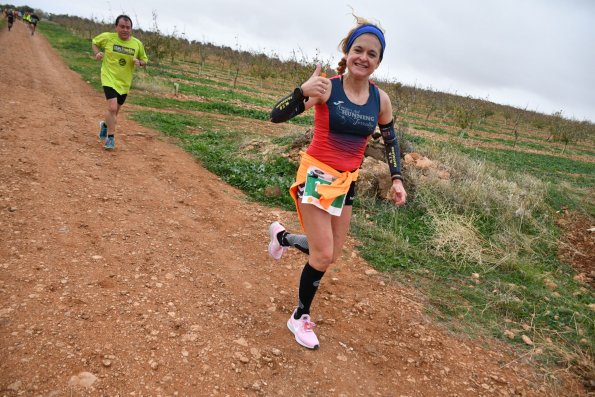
(367, 29)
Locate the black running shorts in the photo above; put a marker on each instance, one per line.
(111, 93)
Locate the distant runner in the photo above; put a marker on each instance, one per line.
(26, 19)
(33, 19)
(10, 19)
(347, 109)
(119, 52)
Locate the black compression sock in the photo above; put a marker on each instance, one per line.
(309, 282)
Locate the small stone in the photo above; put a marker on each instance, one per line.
(243, 359)
(550, 284)
(241, 342)
(97, 257)
(15, 386)
(85, 379)
(581, 278)
(272, 191)
(424, 163)
(509, 334)
(371, 349)
(256, 386)
(371, 272)
(107, 363)
(341, 357)
(527, 340)
(276, 352)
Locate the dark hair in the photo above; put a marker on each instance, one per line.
(126, 17)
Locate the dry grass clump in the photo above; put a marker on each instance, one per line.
(456, 235)
(152, 85)
(480, 214)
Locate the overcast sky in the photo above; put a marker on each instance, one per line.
(534, 53)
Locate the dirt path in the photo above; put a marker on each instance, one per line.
(146, 271)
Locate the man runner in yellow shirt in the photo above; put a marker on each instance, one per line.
(119, 52)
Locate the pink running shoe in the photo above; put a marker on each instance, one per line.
(303, 329)
(276, 250)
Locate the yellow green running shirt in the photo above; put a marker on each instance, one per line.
(118, 60)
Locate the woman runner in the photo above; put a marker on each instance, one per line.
(347, 109)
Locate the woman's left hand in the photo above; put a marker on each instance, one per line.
(398, 192)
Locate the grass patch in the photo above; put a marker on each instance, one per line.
(172, 71)
(162, 70)
(229, 95)
(485, 129)
(436, 130)
(549, 168)
(211, 107)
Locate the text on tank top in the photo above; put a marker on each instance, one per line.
(342, 128)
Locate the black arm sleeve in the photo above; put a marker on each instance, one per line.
(391, 148)
(289, 107)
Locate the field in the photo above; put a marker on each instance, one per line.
(486, 231)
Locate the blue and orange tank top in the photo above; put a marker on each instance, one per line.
(342, 128)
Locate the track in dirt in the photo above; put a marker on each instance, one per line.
(148, 274)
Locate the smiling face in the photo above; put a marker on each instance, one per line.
(363, 57)
(124, 29)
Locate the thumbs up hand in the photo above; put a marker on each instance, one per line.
(317, 86)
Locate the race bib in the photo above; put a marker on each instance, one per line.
(315, 176)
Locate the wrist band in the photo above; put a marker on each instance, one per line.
(299, 94)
